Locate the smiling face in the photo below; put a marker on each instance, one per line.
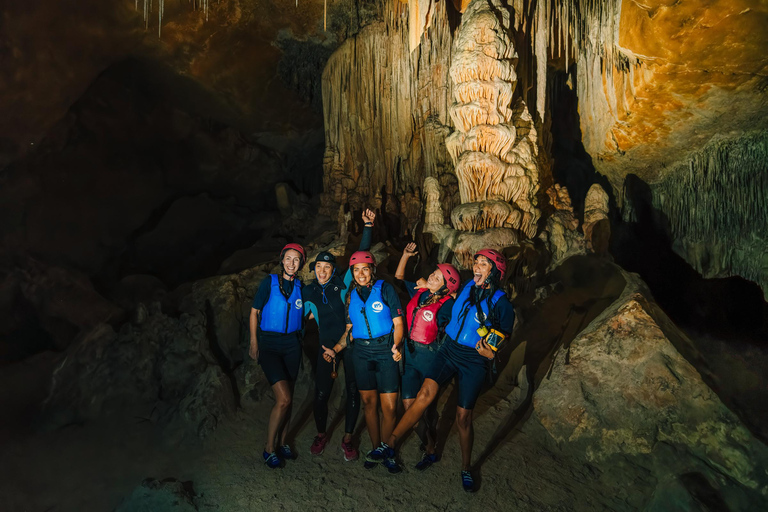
(362, 273)
(323, 271)
(481, 269)
(435, 281)
(291, 263)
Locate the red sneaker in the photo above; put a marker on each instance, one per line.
(318, 445)
(350, 453)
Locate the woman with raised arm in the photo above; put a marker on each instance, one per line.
(276, 324)
(324, 302)
(480, 318)
(375, 327)
(428, 311)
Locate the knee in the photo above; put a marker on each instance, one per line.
(426, 395)
(321, 396)
(464, 419)
(283, 402)
(388, 408)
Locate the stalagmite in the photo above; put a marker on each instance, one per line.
(596, 225)
(561, 234)
(493, 148)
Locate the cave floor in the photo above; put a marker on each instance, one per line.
(97, 465)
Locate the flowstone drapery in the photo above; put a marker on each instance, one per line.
(494, 148)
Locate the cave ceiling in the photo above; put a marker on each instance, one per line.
(703, 69)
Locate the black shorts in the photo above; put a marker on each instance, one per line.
(417, 365)
(374, 367)
(280, 357)
(471, 368)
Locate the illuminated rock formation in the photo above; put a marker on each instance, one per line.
(596, 225)
(621, 390)
(561, 234)
(494, 148)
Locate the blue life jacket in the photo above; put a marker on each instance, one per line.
(464, 321)
(374, 310)
(279, 314)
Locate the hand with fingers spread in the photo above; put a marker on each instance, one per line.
(408, 252)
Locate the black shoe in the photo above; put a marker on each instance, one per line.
(285, 453)
(467, 482)
(426, 461)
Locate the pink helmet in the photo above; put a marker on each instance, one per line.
(496, 258)
(362, 257)
(295, 247)
(451, 276)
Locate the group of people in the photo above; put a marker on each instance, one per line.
(449, 330)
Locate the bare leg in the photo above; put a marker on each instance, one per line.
(287, 418)
(407, 402)
(370, 401)
(282, 405)
(426, 396)
(466, 435)
(388, 410)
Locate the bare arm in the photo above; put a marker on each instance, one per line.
(254, 326)
(408, 252)
(398, 338)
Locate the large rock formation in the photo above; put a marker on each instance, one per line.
(622, 391)
(386, 114)
(494, 148)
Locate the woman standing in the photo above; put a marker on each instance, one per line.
(324, 302)
(276, 325)
(375, 326)
(428, 311)
(481, 307)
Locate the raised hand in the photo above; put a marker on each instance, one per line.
(410, 250)
(368, 216)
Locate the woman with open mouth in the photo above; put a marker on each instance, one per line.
(481, 317)
(375, 327)
(427, 313)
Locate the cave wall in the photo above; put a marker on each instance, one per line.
(386, 114)
(714, 208)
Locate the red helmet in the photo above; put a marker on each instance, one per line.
(362, 257)
(295, 247)
(496, 258)
(451, 276)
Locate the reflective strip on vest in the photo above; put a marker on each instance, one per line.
(377, 312)
(464, 321)
(279, 314)
(422, 326)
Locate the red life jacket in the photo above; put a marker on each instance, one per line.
(422, 321)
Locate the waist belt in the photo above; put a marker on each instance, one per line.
(380, 339)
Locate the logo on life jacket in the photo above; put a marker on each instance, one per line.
(299, 303)
(377, 306)
(428, 316)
